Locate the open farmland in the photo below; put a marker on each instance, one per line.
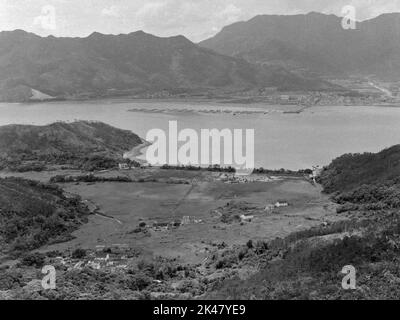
(163, 199)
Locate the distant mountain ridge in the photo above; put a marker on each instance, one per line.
(316, 42)
(104, 65)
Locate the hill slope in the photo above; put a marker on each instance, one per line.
(106, 65)
(33, 214)
(351, 171)
(315, 42)
(64, 142)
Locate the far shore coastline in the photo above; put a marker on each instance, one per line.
(227, 105)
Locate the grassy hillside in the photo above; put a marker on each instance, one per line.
(33, 214)
(64, 143)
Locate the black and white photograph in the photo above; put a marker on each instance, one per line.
(176, 151)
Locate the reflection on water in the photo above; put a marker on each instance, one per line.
(290, 140)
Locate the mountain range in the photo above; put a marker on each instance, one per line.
(285, 52)
(315, 43)
(34, 67)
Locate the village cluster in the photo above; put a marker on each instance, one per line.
(113, 258)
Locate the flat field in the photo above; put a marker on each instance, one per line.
(201, 196)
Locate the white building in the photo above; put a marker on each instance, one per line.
(281, 204)
(123, 166)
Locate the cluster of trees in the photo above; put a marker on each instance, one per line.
(88, 178)
(212, 168)
(229, 169)
(370, 197)
(282, 171)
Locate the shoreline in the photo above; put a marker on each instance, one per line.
(136, 152)
(222, 101)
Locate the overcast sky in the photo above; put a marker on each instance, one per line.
(195, 19)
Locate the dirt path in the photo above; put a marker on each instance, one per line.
(108, 217)
(193, 185)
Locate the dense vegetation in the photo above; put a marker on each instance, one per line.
(353, 170)
(368, 181)
(136, 281)
(85, 145)
(33, 214)
(88, 178)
